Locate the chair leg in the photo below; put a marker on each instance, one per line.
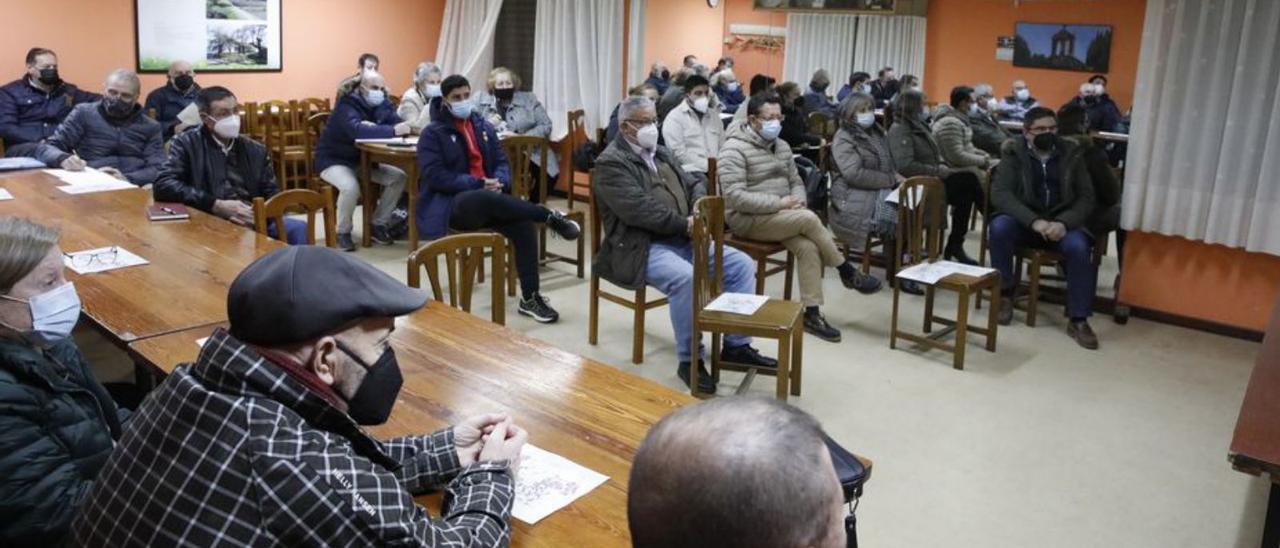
(593, 314)
(637, 328)
(1034, 293)
(866, 255)
(962, 329)
(717, 342)
(511, 271)
(928, 309)
(893, 326)
(784, 367)
(992, 316)
(762, 263)
(797, 356)
(789, 276)
(582, 256)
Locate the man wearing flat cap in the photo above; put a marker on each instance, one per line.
(259, 442)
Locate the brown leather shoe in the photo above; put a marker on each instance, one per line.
(1083, 334)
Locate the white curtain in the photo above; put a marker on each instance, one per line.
(637, 71)
(577, 54)
(1204, 156)
(817, 41)
(466, 38)
(890, 40)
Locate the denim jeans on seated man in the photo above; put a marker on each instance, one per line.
(295, 230)
(670, 270)
(1006, 236)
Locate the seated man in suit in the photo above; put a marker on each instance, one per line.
(261, 441)
(173, 97)
(709, 476)
(1043, 197)
(31, 107)
(111, 135)
(1016, 104)
(218, 171)
(646, 208)
(988, 134)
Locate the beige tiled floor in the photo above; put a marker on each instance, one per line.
(1040, 444)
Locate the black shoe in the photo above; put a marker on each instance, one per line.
(1006, 309)
(381, 235)
(563, 226)
(955, 252)
(910, 287)
(746, 355)
(345, 242)
(1083, 334)
(865, 284)
(815, 324)
(538, 309)
(706, 384)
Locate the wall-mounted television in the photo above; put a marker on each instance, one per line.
(1061, 46)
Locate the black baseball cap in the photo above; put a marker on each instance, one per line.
(301, 293)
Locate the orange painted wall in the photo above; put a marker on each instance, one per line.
(752, 61)
(322, 39)
(675, 28)
(961, 43)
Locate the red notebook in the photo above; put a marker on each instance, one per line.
(167, 212)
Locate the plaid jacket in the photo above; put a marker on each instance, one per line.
(232, 451)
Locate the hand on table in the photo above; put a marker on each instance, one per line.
(469, 434)
(235, 211)
(113, 172)
(73, 163)
(492, 185)
(504, 442)
(403, 129)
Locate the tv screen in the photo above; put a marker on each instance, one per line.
(1084, 48)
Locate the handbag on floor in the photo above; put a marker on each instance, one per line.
(852, 475)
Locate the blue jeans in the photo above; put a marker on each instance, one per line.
(1007, 236)
(670, 270)
(295, 230)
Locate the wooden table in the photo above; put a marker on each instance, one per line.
(1255, 447)
(192, 262)
(403, 157)
(457, 365)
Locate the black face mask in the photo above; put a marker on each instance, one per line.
(1045, 142)
(372, 402)
(183, 82)
(504, 94)
(666, 75)
(117, 108)
(49, 76)
(819, 88)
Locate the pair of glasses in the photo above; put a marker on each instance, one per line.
(101, 258)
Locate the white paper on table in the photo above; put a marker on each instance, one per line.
(200, 342)
(190, 115)
(930, 273)
(4, 194)
(738, 303)
(390, 141)
(548, 482)
(89, 180)
(122, 259)
(85, 188)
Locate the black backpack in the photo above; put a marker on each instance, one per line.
(817, 191)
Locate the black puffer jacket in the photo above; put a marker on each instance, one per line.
(57, 428)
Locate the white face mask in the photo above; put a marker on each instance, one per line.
(228, 128)
(865, 119)
(433, 90)
(1099, 89)
(647, 137)
(54, 314)
(866, 88)
(375, 97)
(1022, 94)
(992, 104)
(700, 104)
(732, 86)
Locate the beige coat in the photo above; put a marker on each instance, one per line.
(955, 140)
(413, 110)
(691, 138)
(755, 175)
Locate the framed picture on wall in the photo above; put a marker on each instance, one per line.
(877, 6)
(213, 35)
(1084, 48)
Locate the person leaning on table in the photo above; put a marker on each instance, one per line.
(57, 424)
(261, 441)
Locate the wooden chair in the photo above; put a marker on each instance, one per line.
(638, 302)
(1, 148)
(394, 100)
(1039, 259)
(520, 152)
(311, 139)
(250, 125)
(822, 125)
(285, 142)
(984, 209)
(152, 114)
(761, 252)
(463, 254)
(921, 201)
(776, 319)
(295, 201)
(577, 183)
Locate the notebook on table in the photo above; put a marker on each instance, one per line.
(167, 212)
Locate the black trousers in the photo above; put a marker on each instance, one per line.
(510, 216)
(964, 190)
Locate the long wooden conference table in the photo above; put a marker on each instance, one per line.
(455, 364)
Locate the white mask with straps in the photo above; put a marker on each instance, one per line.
(54, 314)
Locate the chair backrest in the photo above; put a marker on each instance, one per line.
(152, 114)
(298, 200)
(311, 139)
(707, 238)
(576, 136)
(713, 178)
(249, 125)
(276, 119)
(597, 224)
(521, 150)
(318, 104)
(463, 254)
(394, 100)
(822, 124)
(921, 201)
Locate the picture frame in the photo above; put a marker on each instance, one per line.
(829, 6)
(213, 35)
(1063, 46)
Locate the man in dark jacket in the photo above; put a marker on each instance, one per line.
(170, 99)
(816, 99)
(988, 134)
(218, 171)
(646, 205)
(885, 87)
(1107, 187)
(31, 107)
(1103, 113)
(1044, 196)
(111, 135)
(260, 442)
(659, 77)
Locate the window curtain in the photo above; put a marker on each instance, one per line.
(889, 40)
(1203, 161)
(817, 41)
(637, 71)
(466, 38)
(576, 54)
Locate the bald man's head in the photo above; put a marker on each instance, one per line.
(735, 472)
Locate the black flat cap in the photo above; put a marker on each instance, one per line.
(300, 293)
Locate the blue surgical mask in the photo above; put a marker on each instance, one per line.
(433, 90)
(770, 129)
(461, 109)
(54, 314)
(375, 97)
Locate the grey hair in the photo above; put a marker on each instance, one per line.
(983, 89)
(820, 76)
(632, 104)
(126, 75)
(848, 112)
(425, 68)
(23, 244)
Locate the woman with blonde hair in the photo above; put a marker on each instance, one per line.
(515, 112)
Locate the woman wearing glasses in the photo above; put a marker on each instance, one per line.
(57, 424)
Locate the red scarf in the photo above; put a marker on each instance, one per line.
(473, 148)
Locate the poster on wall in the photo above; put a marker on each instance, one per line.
(1004, 48)
(213, 35)
(1084, 48)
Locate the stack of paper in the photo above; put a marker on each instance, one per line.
(390, 141)
(548, 482)
(190, 115)
(930, 273)
(738, 303)
(89, 180)
(20, 163)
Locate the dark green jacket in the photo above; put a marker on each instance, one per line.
(57, 428)
(1014, 193)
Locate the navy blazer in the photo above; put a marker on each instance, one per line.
(353, 119)
(28, 115)
(445, 167)
(168, 102)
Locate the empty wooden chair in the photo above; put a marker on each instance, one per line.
(777, 319)
(463, 254)
(298, 201)
(521, 150)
